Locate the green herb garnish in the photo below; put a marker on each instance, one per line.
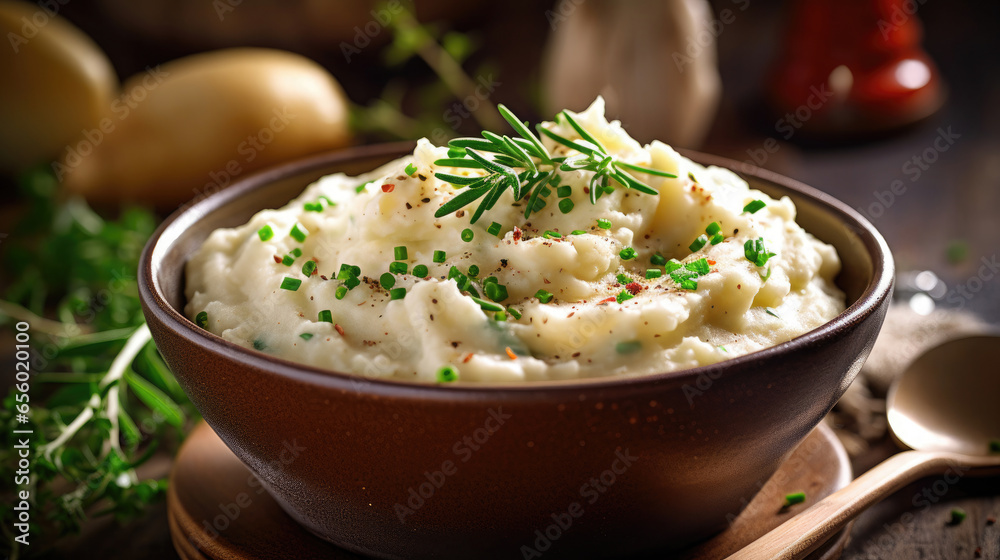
(496, 291)
(958, 515)
(771, 312)
(439, 256)
(603, 223)
(325, 316)
(794, 498)
(524, 166)
(309, 267)
(265, 233)
(566, 205)
(341, 292)
(623, 296)
(397, 293)
(410, 169)
(543, 296)
(754, 206)
(201, 319)
(287, 260)
(698, 243)
(473, 271)
(398, 267)
(658, 259)
(299, 234)
(653, 273)
(577, 232)
(420, 271)
(400, 253)
(447, 374)
(494, 229)
(627, 254)
(306, 336)
(628, 347)
(387, 280)
(290, 284)
(487, 305)
(467, 235)
(549, 234)
(514, 312)
(755, 251)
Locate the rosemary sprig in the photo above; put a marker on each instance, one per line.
(524, 166)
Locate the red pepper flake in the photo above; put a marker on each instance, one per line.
(388, 187)
(608, 300)
(467, 357)
(517, 234)
(634, 288)
(277, 259)
(339, 329)
(323, 276)
(511, 354)
(710, 261)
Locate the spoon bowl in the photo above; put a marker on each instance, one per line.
(943, 406)
(947, 400)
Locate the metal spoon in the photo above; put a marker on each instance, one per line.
(944, 407)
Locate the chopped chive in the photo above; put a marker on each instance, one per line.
(325, 316)
(397, 293)
(514, 312)
(313, 207)
(764, 277)
(306, 336)
(624, 295)
(658, 259)
(400, 253)
(771, 312)
(495, 291)
(265, 233)
(754, 206)
(723, 348)
(291, 284)
(577, 232)
(794, 498)
(499, 316)
(420, 271)
(627, 254)
(201, 320)
(296, 252)
(327, 199)
(298, 234)
(490, 280)
(494, 229)
(544, 296)
(410, 169)
(698, 243)
(958, 515)
(287, 260)
(440, 256)
(487, 305)
(473, 271)
(691, 176)
(713, 228)
(622, 279)
(387, 280)
(352, 282)
(700, 266)
(447, 374)
(341, 292)
(398, 267)
(360, 188)
(653, 273)
(467, 235)
(566, 205)
(549, 234)
(564, 191)
(604, 224)
(347, 271)
(755, 251)
(718, 238)
(309, 267)
(673, 265)
(258, 344)
(628, 347)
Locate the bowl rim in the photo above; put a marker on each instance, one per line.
(155, 306)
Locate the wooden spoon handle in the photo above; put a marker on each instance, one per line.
(802, 534)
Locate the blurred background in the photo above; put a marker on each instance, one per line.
(114, 113)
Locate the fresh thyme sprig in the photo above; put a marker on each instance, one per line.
(524, 166)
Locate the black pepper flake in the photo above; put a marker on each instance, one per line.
(408, 207)
(460, 213)
(425, 200)
(422, 178)
(503, 263)
(455, 344)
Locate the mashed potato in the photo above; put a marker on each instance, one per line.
(620, 287)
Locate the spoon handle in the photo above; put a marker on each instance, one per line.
(802, 534)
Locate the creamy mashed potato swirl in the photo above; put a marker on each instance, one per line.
(589, 328)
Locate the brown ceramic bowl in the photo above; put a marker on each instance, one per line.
(593, 468)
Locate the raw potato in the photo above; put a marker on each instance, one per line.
(192, 126)
(56, 83)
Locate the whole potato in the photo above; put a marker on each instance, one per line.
(56, 83)
(193, 125)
